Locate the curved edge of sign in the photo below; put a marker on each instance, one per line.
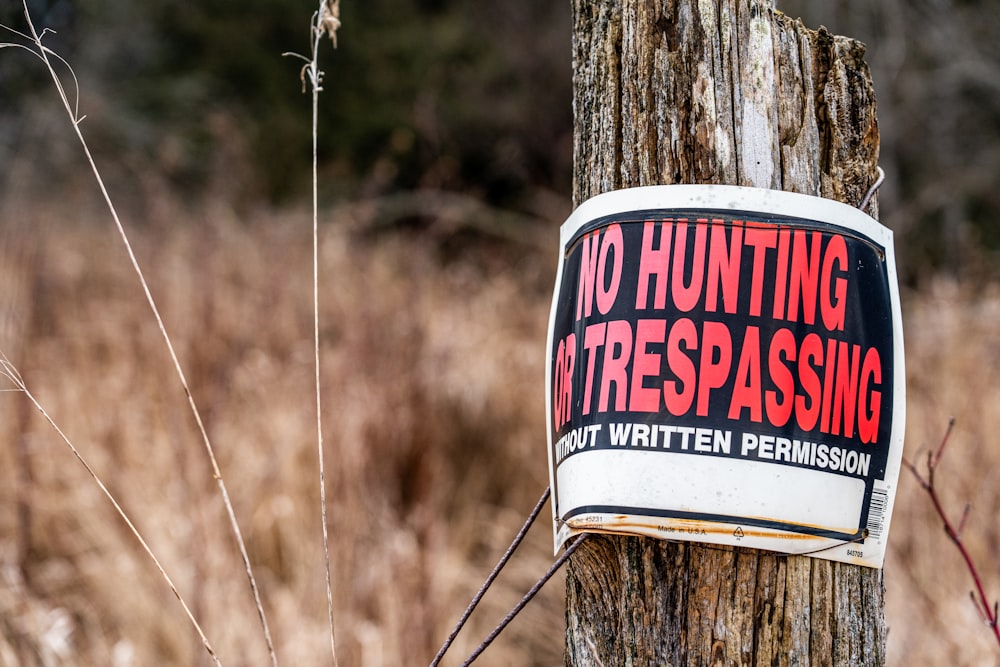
(725, 198)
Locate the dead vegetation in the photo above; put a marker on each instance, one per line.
(433, 411)
(432, 349)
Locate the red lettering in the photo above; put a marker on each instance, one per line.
(804, 279)
(617, 351)
(678, 402)
(646, 364)
(833, 299)
(563, 380)
(557, 388)
(715, 338)
(780, 353)
(760, 240)
(811, 351)
(845, 391)
(724, 268)
(594, 268)
(781, 274)
(868, 417)
(606, 295)
(593, 338)
(747, 390)
(653, 263)
(588, 275)
(686, 297)
(831, 358)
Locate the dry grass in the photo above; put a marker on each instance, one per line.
(433, 393)
(434, 444)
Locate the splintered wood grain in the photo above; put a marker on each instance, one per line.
(672, 91)
(730, 92)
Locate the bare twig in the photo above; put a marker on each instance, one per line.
(72, 109)
(987, 611)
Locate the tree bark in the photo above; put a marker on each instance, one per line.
(729, 92)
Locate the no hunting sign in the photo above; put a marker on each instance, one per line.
(725, 365)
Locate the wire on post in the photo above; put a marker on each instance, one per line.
(492, 577)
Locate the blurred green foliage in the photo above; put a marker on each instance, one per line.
(453, 94)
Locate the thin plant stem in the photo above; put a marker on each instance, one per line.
(8, 370)
(325, 21)
(319, 402)
(43, 53)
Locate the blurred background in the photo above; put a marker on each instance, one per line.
(445, 163)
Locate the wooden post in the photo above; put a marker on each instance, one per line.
(729, 92)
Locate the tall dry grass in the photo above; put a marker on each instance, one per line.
(432, 349)
(434, 441)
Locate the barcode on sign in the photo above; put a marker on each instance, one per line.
(876, 513)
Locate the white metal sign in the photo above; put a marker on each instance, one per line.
(725, 365)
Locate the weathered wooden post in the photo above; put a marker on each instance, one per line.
(727, 92)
